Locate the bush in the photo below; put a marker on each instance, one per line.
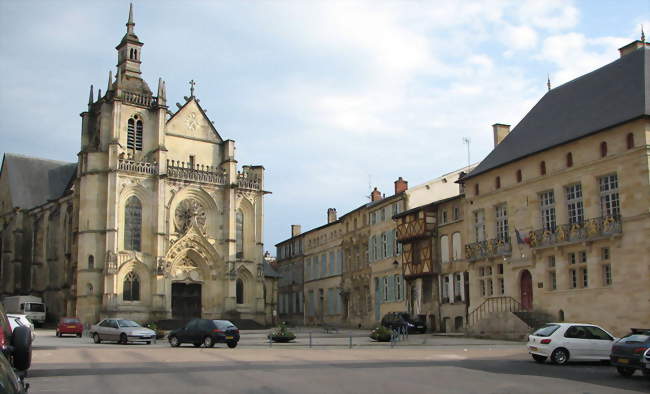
(281, 334)
(381, 334)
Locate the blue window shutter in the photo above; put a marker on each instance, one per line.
(381, 290)
(391, 242)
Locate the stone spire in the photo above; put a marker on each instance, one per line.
(129, 23)
(129, 59)
(90, 96)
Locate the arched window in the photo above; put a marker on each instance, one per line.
(444, 248)
(240, 291)
(131, 53)
(569, 159)
(131, 290)
(239, 233)
(542, 168)
(519, 176)
(630, 140)
(91, 262)
(132, 224)
(561, 315)
(134, 133)
(603, 149)
(497, 182)
(89, 289)
(455, 246)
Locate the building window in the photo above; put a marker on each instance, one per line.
(573, 277)
(497, 182)
(481, 286)
(519, 177)
(443, 217)
(131, 289)
(134, 133)
(89, 289)
(444, 249)
(607, 274)
(585, 277)
(574, 203)
(630, 140)
(479, 225)
(490, 290)
(455, 213)
(386, 288)
(542, 168)
(133, 224)
(609, 199)
(502, 222)
(384, 245)
(239, 291)
(552, 276)
(456, 246)
(502, 286)
(583, 256)
(604, 254)
(91, 262)
(551, 261)
(569, 159)
(572, 258)
(603, 149)
(239, 235)
(547, 207)
(476, 189)
(445, 289)
(457, 284)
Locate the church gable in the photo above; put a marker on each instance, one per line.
(191, 121)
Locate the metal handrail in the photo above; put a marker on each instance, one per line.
(492, 305)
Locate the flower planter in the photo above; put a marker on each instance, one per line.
(282, 338)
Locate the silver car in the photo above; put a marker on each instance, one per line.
(122, 331)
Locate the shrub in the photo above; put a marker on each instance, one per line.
(381, 334)
(281, 334)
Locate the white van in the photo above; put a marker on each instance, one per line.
(31, 306)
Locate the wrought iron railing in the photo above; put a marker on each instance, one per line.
(487, 249)
(207, 174)
(575, 232)
(141, 167)
(493, 305)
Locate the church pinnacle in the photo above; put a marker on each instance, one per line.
(129, 51)
(129, 23)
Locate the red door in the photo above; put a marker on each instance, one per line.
(526, 284)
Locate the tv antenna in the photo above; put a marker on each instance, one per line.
(467, 141)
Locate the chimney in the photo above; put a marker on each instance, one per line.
(331, 215)
(500, 132)
(295, 230)
(401, 185)
(631, 47)
(375, 195)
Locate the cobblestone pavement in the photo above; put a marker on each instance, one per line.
(422, 363)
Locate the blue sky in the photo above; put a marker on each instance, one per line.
(327, 95)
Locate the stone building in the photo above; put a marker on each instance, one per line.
(153, 221)
(559, 211)
(290, 261)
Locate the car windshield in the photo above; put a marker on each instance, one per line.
(34, 307)
(127, 323)
(546, 330)
(70, 321)
(637, 338)
(223, 324)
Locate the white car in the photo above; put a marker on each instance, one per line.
(16, 320)
(562, 342)
(122, 331)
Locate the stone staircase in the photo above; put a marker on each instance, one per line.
(534, 319)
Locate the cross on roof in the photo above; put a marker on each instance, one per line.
(192, 83)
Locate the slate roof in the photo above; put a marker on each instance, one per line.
(611, 95)
(33, 181)
(269, 271)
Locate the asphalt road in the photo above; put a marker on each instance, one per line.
(443, 365)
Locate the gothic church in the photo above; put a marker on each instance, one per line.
(154, 220)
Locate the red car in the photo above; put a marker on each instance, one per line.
(69, 325)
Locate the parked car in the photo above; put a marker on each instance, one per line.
(17, 320)
(628, 351)
(69, 325)
(205, 332)
(396, 320)
(10, 382)
(122, 331)
(562, 342)
(15, 354)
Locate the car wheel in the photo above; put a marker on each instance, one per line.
(58, 334)
(173, 341)
(123, 339)
(539, 359)
(148, 342)
(96, 338)
(79, 335)
(208, 341)
(560, 356)
(625, 371)
(21, 340)
(232, 345)
(196, 344)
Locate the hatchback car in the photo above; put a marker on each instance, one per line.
(122, 331)
(562, 342)
(69, 325)
(205, 332)
(18, 320)
(396, 320)
(627, 352)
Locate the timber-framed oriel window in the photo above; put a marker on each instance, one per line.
(132, 224)
(131, 288)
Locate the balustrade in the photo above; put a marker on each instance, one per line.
(141, 167)
(138, 99)
(487, 249)
(199, 173)
(575, 232)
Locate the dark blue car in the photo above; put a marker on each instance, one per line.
(205, 332)
(628, 351)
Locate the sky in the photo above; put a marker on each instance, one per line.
(331, 97)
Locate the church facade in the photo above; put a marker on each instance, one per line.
(154, 221)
